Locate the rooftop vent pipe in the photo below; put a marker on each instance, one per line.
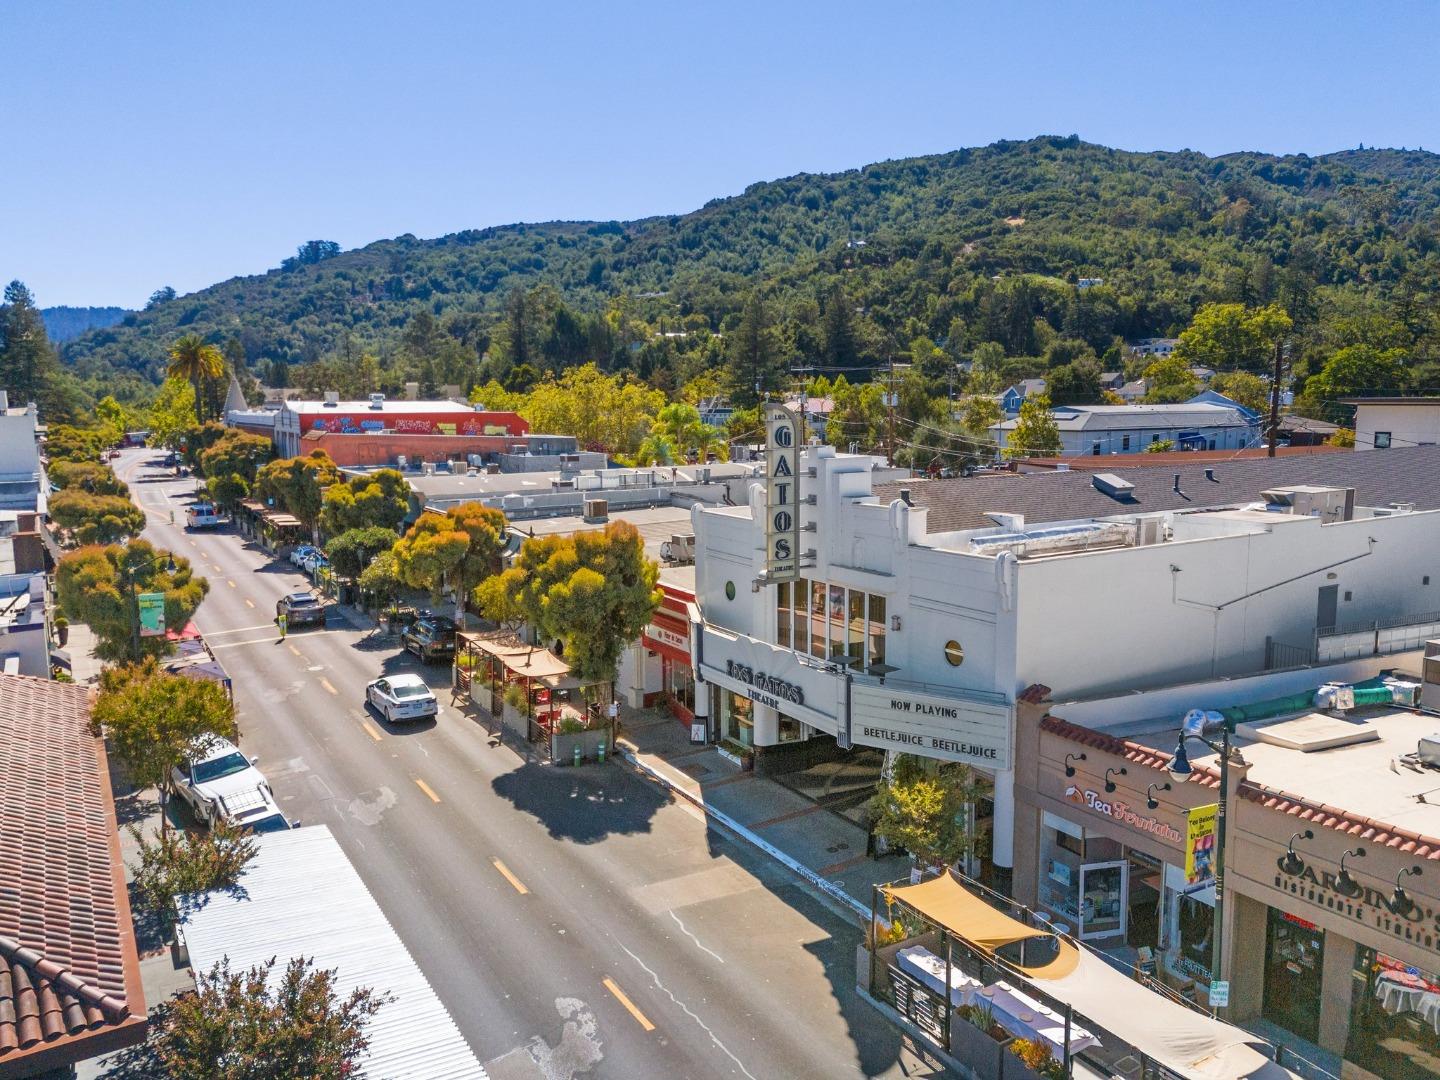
(905, 496)
(1210, 475)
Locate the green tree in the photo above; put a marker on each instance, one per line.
(594, 591)
(172, 413)
(298, 484)
(92, 584)
(194, 361)
(67, 443)
(1160, 446)
(980, 413)
(184, 863)
(1035, 433)
(1241, 386)
(380, 498)
(457, 549)
(1354, 371)
(680, 424)
(227, 490)
(355, 549)
(923, 807)
(656, 449)
(89, 476)
(97, 519)
(256, 1025)
(27, 362)
(1232, 337)
(1074, 384)
(236, 453)
(756, 363)
(1170, 381)
(154, 721)
(840, 347)
(381, 579)
(610, 413)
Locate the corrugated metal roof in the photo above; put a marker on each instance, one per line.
(279, 912)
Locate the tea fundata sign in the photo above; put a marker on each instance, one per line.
(782, 494)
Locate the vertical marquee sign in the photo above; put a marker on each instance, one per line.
(782, 494)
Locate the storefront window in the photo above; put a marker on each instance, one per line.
(877, 630)
(837, 622)
(856, 621)
(680, 682)
(1294, 955)
(799, 594)
(782, 615)
(1394, 1017)
(791, 730)
(735, 716)
(1194, 922)
(817, 619)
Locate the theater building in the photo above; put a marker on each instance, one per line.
(912, 621)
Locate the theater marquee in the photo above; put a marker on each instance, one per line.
(782, 494)
(969, 730)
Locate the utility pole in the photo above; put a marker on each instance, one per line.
(1275, 396)
(890, 416)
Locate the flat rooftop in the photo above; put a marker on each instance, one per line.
(1366, 777)
(656, 525)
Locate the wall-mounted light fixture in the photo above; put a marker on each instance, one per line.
(1400, 902)
(1070, 769)
(1150, 801)
(1110, 784)
(1290, 863)
(1345, 884)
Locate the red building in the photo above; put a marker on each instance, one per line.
(297, 419)
(666, 674)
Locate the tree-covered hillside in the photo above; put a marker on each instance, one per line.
(957, 251)
(63, 323)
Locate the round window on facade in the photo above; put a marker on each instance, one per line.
(954, 653)
(729, 590)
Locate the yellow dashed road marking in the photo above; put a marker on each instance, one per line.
(508, 876)
(423, 786)
(370, 730)
(629, 1005)
(326, 683)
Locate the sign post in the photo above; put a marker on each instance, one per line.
(782, 494)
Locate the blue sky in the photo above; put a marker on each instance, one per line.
(158, 142)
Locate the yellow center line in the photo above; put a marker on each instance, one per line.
(370, 730)
(629, 1005)
(249, 602)
(422, 785)
(296, 651)
(508, 876)
(326, 683)
(231, 583)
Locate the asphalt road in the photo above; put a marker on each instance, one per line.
(575, 922)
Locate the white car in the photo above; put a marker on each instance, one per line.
(402, 697)
(218, 772)
(255, 810)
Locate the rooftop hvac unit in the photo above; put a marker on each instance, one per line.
(597, 509)
(1114, 486)
(401, 461)
(377, 401)
(1149, 530)
(475, 459)
(679, 550)
(332, 398)
(492, 468)
(562, 485)
(1304, 500)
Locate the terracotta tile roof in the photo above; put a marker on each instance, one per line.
(69, 972)
(1330, 817)
(1136, 753)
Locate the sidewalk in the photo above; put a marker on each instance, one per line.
(820, 846)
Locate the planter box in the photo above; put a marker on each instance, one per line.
(562, 745)
(989, 1059)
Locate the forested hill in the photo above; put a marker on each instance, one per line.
(965, 247)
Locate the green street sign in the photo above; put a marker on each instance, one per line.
(152, 614)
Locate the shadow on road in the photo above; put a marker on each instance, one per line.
(584, 805)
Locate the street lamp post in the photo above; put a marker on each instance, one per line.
(130, 572)
(1197, 725)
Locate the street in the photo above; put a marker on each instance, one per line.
(575, 922)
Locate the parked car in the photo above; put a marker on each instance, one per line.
(313, 560)
(301, 609)
(297, 556)
(401, 697)
(255, 810)
(429, 637)
(220, 769)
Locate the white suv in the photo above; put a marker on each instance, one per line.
(255, 810)
(218, 771)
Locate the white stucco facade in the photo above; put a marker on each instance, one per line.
(1382, 423)
(966, 628)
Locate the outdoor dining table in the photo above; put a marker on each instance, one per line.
(1023, 1016)
(921, 964)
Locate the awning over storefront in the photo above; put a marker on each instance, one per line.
(528, 662)
(947, 903)
(1185, 1041)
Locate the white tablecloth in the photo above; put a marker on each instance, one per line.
(923, 965)
(1023, 1016)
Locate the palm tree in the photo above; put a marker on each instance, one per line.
(193, 360)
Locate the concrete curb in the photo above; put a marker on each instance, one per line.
(829, 889)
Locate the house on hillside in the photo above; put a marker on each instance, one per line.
(1013, 396)
(1153, 346)
(1129, 429)
(1112, 380)
(1133, 390)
